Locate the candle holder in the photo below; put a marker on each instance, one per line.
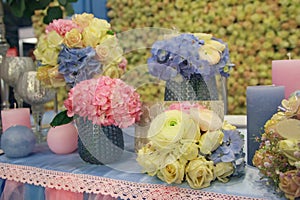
(11, 70)
(35, 94)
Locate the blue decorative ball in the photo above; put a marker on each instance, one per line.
(18, 141)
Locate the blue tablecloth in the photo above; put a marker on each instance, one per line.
(128, 171)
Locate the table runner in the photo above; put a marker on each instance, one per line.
(106, 186)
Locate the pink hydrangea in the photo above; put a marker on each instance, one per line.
(105, 101)
(61, 26)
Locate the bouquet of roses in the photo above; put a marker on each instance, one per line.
(187, 54)
(278, 157)
(78, 49)
(104, 100)
(188, 142)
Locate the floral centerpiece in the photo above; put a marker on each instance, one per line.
(101, 107)
(78, 49)
(188, 142)
(278, 157)
(189, 61)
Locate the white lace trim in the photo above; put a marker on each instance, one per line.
(105, 186)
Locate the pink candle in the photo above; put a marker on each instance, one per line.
(286, 73)
(16, 116)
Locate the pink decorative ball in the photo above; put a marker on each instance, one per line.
(63, 139)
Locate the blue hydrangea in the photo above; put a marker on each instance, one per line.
(231, 150)
(78, 64)
(180, 56)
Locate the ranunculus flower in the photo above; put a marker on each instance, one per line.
(289, 183)
(199, 173)
(289, 149)
(210, 141)
(223, 170)
(171, 126)
(172, 170)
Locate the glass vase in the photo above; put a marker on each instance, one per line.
(99, 144)
(210, 92)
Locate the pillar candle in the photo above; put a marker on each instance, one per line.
(286, 73)
(15, 116)
(262, 104)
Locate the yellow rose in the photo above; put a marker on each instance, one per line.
(73, 39)
(199, 173)
(49, 56)
(150, 159)
(223, 170)
(42, 74)
(56, 78)
(290, 149)
(173, 170)
(54, 39)
(170, 127)
(210, 141)
(207, 119)
(289, 183)
(83, 20)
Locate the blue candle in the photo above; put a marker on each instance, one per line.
(262, 104)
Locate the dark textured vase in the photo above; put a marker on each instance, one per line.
(193, 89)
(99, 144)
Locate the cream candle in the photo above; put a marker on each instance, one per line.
(287, 74)
(15, 116)
(262, 104)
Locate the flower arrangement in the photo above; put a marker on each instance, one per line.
(72, 50)
(188, 142)
(187, 54)
(103, 100)
(278, 157)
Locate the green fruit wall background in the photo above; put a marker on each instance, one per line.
(256, 32)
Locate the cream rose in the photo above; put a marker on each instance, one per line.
(210, 141)
(173, 170)
(223, 170)
(170, 127)
(199, 173)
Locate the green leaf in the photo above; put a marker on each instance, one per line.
(72, 1)
(53, 13)
(17, 7)
(61, 119)
(63, 2)
(69, 9)
(110, 32)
